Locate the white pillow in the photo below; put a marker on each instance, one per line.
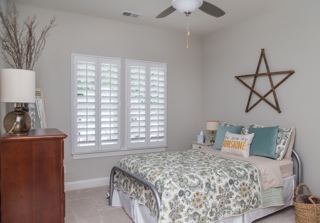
(237, 144)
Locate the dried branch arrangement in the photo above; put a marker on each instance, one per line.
(20, 46)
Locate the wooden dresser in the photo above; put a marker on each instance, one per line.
(32, 177)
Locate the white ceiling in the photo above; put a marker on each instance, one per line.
(200, 22)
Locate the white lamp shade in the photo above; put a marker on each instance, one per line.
(17, 86)
(212, 125)
(186, 5)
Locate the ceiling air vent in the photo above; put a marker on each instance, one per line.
(131, 14)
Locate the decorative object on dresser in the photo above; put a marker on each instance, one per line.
(273, 86)
(41, 108)
(21, 49)
(17, 86)
(212, 125)
(32, 177)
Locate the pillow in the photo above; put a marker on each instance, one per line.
(264, 142)
(237, 144)
(285, 140)
(244, 130)
(290, 144)
(221, 132)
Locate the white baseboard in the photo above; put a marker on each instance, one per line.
(83, 184)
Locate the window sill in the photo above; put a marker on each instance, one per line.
(116, 153)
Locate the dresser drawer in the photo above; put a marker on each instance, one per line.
(201, 146)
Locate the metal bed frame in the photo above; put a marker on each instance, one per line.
(297, 168)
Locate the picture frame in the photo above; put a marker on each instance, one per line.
(40, 108)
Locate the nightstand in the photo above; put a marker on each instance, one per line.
(196, 145)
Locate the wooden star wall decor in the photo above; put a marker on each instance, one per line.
(273, 87)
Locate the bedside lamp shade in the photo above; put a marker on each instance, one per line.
(212, 126)
(17, 86)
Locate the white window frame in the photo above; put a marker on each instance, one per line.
(148, 143)
(98, 147)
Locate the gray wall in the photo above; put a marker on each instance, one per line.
(290, 35)
(86, 35)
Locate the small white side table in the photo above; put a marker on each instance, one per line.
(196, 145)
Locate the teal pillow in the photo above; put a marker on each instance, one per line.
(264, 141)
(221, 132)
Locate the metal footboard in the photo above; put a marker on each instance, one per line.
(144, 182)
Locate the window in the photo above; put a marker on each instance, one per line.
(97, 113)
(96, 103)
(146, 104)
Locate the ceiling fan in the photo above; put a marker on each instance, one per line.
(189, 6)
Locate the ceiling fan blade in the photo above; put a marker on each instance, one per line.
(166, 12)
(211, 9)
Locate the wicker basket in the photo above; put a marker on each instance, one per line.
(306, 213)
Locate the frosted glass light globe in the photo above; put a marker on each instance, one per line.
(186, 5)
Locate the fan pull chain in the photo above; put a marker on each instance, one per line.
(188, 32)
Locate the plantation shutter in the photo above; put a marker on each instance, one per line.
(86, 76)
(146, 104)
(109, 102)
(96, 103)
(157, 110)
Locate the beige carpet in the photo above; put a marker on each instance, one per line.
(91, 206)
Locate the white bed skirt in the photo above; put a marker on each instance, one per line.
(140, 214)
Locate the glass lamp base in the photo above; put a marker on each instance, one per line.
(17, 122)
(212, 139)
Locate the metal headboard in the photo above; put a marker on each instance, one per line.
(297, 167)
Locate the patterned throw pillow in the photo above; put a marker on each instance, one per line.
(283, 140)
(237, 144)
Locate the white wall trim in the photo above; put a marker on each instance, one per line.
(83, 184)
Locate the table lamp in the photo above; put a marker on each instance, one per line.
(212, 126)
(17, 86)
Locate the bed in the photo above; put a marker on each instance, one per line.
(203, 185)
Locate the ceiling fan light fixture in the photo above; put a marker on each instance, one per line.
(186, 5)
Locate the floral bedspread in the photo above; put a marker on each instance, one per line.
(194, 186)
